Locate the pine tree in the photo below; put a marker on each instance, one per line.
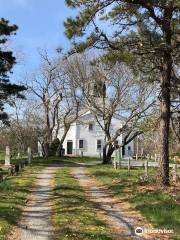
(7, 61)
(142, 33)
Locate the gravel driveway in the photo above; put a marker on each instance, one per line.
(36, 216)
(118, 215)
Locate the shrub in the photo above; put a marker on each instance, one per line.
(54, 146)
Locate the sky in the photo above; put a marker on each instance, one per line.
(40, 25)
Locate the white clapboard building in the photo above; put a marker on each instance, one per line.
(85, 137)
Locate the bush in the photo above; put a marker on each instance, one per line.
(54, 146)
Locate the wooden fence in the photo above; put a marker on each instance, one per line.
(130, 163)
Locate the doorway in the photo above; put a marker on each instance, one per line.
(69, 147)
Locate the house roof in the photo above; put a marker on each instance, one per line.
(86, 113)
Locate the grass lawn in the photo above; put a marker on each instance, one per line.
(74, 219)
(82, 159)
(13, 194)
(14, 160)
(159, 208)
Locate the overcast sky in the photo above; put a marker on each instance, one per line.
(40, 25)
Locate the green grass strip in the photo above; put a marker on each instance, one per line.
(74, 217)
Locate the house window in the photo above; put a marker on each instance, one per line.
(90, 126)
(98, 144)
(81, 144)
(129, 148)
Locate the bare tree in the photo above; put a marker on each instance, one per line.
(55, 96)
(24, 129)
(45, 86)
(69, 109)
(113, 92)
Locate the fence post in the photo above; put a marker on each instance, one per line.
(115, 163)
(136, 157)
(146, 167)
(29, 155)
(174, 173)
(120, 162)
(129, 164)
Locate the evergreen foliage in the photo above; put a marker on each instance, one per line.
(7, 61)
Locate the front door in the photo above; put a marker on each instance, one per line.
(69, 147)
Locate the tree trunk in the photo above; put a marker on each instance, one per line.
(105, 161)
(46, 149)
(110, 152)
(165, 122)
(59, 150)
(107, 154)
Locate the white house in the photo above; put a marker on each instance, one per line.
(85, 137)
